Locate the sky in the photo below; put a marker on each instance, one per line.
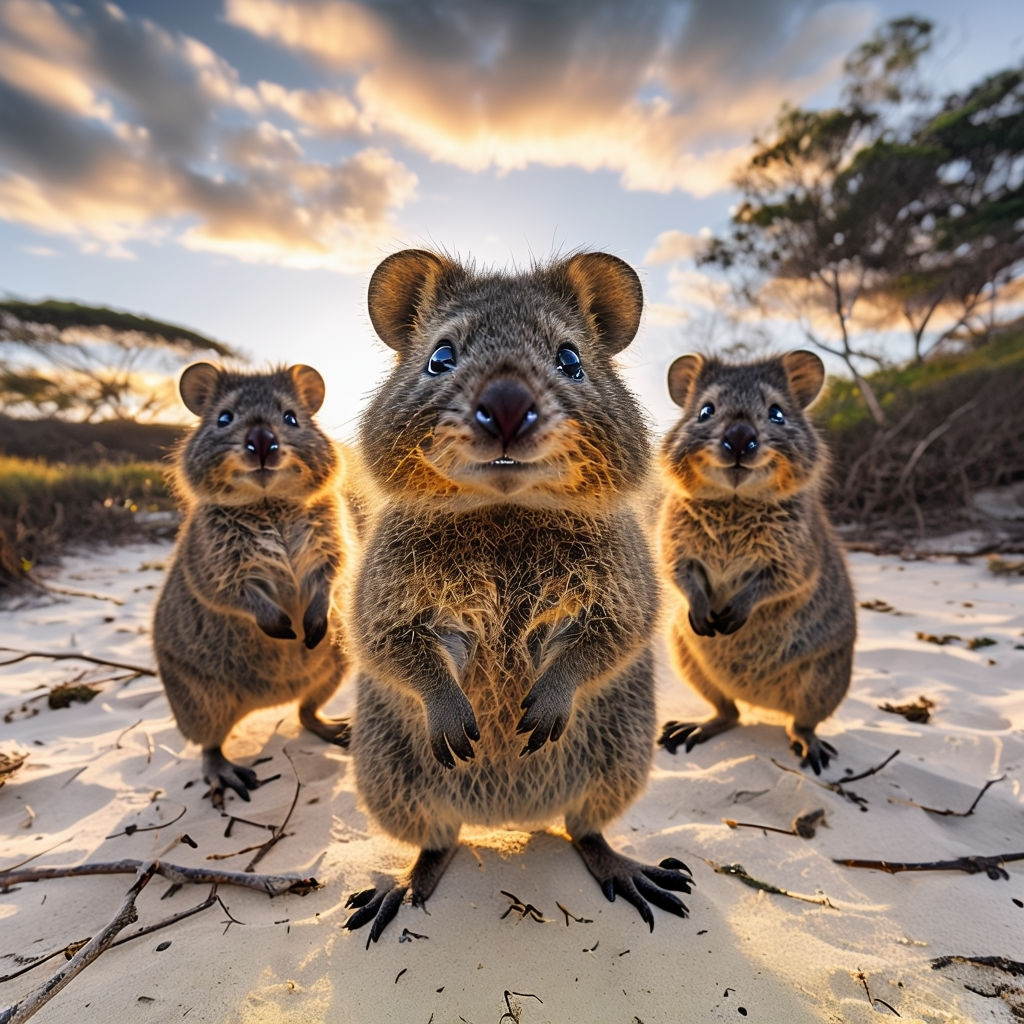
(241, 166)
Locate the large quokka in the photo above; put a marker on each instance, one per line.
(505, 605)
(247, 616)
(769, 614)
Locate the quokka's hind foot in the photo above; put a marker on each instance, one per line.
(811, 749)
(638, 884)
(689, 734)
(333, 730)
(221, 774)
(378, 907)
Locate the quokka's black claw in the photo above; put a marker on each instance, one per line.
(674, 864)
(360, 899)
(386, 914)
(442, 754)
(660, 898)
(677, 734)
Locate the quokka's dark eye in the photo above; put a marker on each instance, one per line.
(707, 410)
(442, 361)
(225, 418)
(290, 418)
(568, 361)
(776, 415)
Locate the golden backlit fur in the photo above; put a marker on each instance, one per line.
(505, 604)
(248, 616)
(767, 614)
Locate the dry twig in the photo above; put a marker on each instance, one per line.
(948, 813)
(838, 785)
(126, 915)
(72, 947)
(863, 979)
(740, 872)
(524, 910)
(278, 832)
(67, 656)
(130, 830)
(804, 826)
(272, 885)
(972, 864)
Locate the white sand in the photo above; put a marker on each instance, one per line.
(95, 769)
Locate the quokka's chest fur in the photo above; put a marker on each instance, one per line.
(503, 580)
(274, 543)
(733, 539)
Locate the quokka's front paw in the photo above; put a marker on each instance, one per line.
(547, 708)
(452, 727)
(278, 625)
(702, 619)
(313, 629)
(729, 619)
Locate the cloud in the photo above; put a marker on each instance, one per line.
(666, 95)
(319, 111)
(114, 130)
(694, 288)
(674, 246)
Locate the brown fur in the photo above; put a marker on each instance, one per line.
(248, 615)
(505, 602)
(768, 614)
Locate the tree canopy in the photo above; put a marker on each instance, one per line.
(90, 362)
(889, 209)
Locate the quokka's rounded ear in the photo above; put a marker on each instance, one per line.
(197, 386)
(609, 294)
(806, 374)
(681, 376)
(309, 385)
(400, 289)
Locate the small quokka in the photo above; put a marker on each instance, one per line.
(248, 614)
(768, 615)
(505, 604)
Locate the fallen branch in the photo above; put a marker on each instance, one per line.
(804, 826)
(72, 947)
(278, 832)
(272, 885)
(740, 872)
(71, 591)
(36, 856)
(972, 865)
(130, 830)
(67, 656)
(837, 786)
(948, 813)
(27, 1007)
(868, 772)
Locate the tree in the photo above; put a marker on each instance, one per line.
(89, 362)
(799, 228)
(884, 208)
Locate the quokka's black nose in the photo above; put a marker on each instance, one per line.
(262, 443)
(739, 439)
(506, 409)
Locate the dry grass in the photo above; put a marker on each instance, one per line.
(46, 506)
(916, 476)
